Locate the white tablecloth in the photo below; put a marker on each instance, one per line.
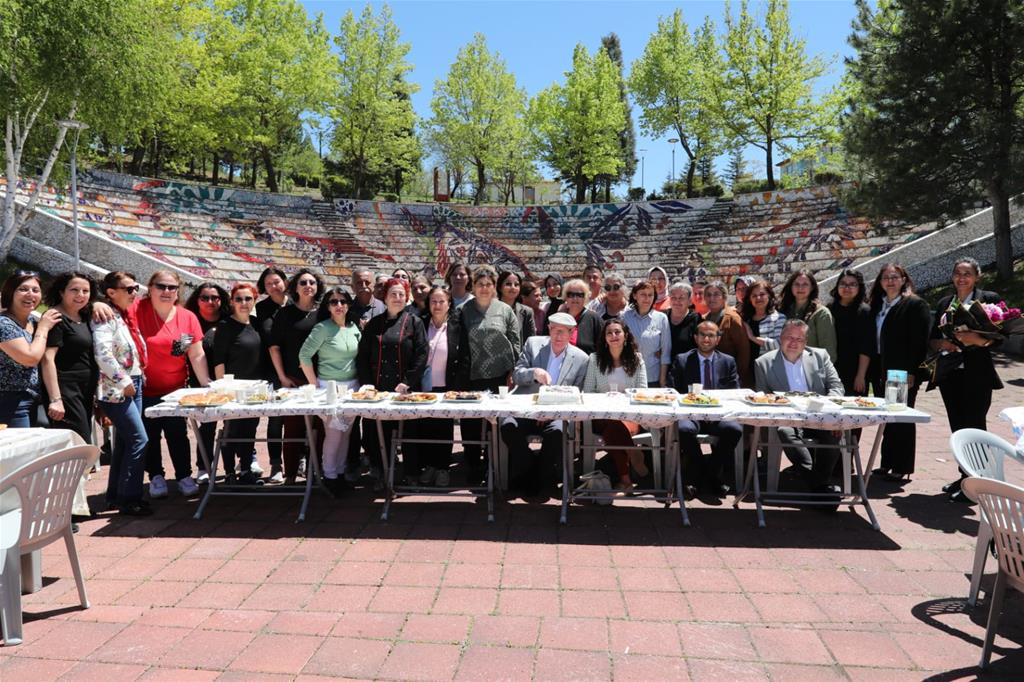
(21, 446)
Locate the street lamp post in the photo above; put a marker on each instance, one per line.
(642, 158)
(78, 127)
(672, 141)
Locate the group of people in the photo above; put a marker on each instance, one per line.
(102, 351)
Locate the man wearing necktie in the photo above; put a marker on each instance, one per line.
(706, 365)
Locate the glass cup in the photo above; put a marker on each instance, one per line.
(696, 388)
(502, 392)
(307, 391)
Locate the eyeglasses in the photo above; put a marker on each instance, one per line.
(612, 287)
(892, 278)
(307, 282)
(133, 289)
(243, 299)
(211, 299)
(337, 301)
(848, 285)
(166, 287)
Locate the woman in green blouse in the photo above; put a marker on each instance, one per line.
(800, 301)
(334, 342)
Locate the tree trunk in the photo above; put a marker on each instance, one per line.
(255, 166)
(608, 191)
(1000, 199)
(581, 187)
(268, 161)
(481, 182)
(231, 173)
(138, 156)
(192, 166)
(202, 160)
(691, 170)
(216, 169)
(768, 155)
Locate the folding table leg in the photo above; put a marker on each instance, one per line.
(387, 458)
(194, 425)
(876, 446)
(672, 455)
(862, 486)
(492, 452)
(567, 457)
(312, 469)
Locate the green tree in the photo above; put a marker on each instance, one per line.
(672, 85)
(627, 136)
(737, 166)
(764, 94)
(576, 126)
(374, 123)
(938, 116)
(97, 61)
(476, 107)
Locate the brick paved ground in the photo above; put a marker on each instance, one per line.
(437, 593)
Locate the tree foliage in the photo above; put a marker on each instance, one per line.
(576, 126)
(764, 94)
(476, 108)
(936, 115)
(374, 124)
(627, 136)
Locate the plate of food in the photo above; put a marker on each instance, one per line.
(205, 399)
(463, 396)
(699, 400)
(368, 395)
(860, 403)
(768, 400)
(653, 397)
(415, 398)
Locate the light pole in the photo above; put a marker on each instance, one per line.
(78, 127)
(642, 168)
(672, 141)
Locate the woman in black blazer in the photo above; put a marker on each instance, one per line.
(965, 374)
(902, 323)
(588, 324)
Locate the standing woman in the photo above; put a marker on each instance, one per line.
(23, 344)
(733, 335)
(553, 290)
(121, 356)
(391, 357)
(174, 340)
(446, 370)
(509, 287)
(588, 325)
(902, 323)
(659, 278)
(800, 301)
(650, 329)
(493, 332)
(739, 289)
(287, 334)
(682, 322)
(855, 331)
(530, 295)
(965, 374)
(209, 303)
(421, 285)
(762, 321)
(273, 283)
(334, 342)
(237, 350)
(69, 366)
(617, 365)
(457, 279)
(615, 301)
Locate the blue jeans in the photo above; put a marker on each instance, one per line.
(128, 460)
(16, 409)
(175, 429)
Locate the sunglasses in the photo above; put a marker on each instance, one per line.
(133, 289)
(211, 299)
(612, 287)
(575, 294)
(243, 299)
(307, 283)
(166, 287)
(337, 301)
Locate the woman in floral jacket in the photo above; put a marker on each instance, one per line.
(121, 355)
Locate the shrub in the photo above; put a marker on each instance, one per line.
(715, 190)
(827, 178)
(334, 187)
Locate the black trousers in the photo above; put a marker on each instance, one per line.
(708, 471)
(472, 429)
(967, 402)
(899, 444)
(418, 456)
(821, 465)
(527, 469)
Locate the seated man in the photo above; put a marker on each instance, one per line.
(715, 370)
(545, 360)
(795, 367)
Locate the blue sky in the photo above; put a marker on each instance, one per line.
(536, 39)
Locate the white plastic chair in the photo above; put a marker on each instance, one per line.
(981, 454)
(1003, 505)
(46, 491)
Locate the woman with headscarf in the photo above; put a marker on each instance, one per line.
(658, 276)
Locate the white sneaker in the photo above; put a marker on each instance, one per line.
(157, 488)
(278, 477)
(203, 477)
(188, 487)
(256, 468)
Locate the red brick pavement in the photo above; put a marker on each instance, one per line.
(437, 593)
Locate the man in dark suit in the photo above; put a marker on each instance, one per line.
(795, 367)
(714, 370)
(544, 360)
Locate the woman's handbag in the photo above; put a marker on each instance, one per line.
(596, 482)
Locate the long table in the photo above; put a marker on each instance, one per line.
(594, 406)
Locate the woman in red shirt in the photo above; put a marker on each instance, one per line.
(173, 337)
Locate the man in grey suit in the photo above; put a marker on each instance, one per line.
(795, 367)
(544, 360)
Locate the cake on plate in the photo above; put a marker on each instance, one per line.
(558, 395)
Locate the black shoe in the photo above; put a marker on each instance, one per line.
(74, 527)
(953, 487)
(834, 494)
(960, 497)
(249, 478)
(332, 486)
(689, 492)
(136, 509)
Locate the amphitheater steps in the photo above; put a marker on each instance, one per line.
(677, 260)
(340, 230)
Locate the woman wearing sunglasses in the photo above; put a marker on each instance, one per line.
(209, 303)
(588, 324)
(334, 342)
(174, 340)
(121, 356)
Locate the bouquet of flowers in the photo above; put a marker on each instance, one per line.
(991, 320)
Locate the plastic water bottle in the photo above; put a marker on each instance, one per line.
(896, 389)
(332, 392)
